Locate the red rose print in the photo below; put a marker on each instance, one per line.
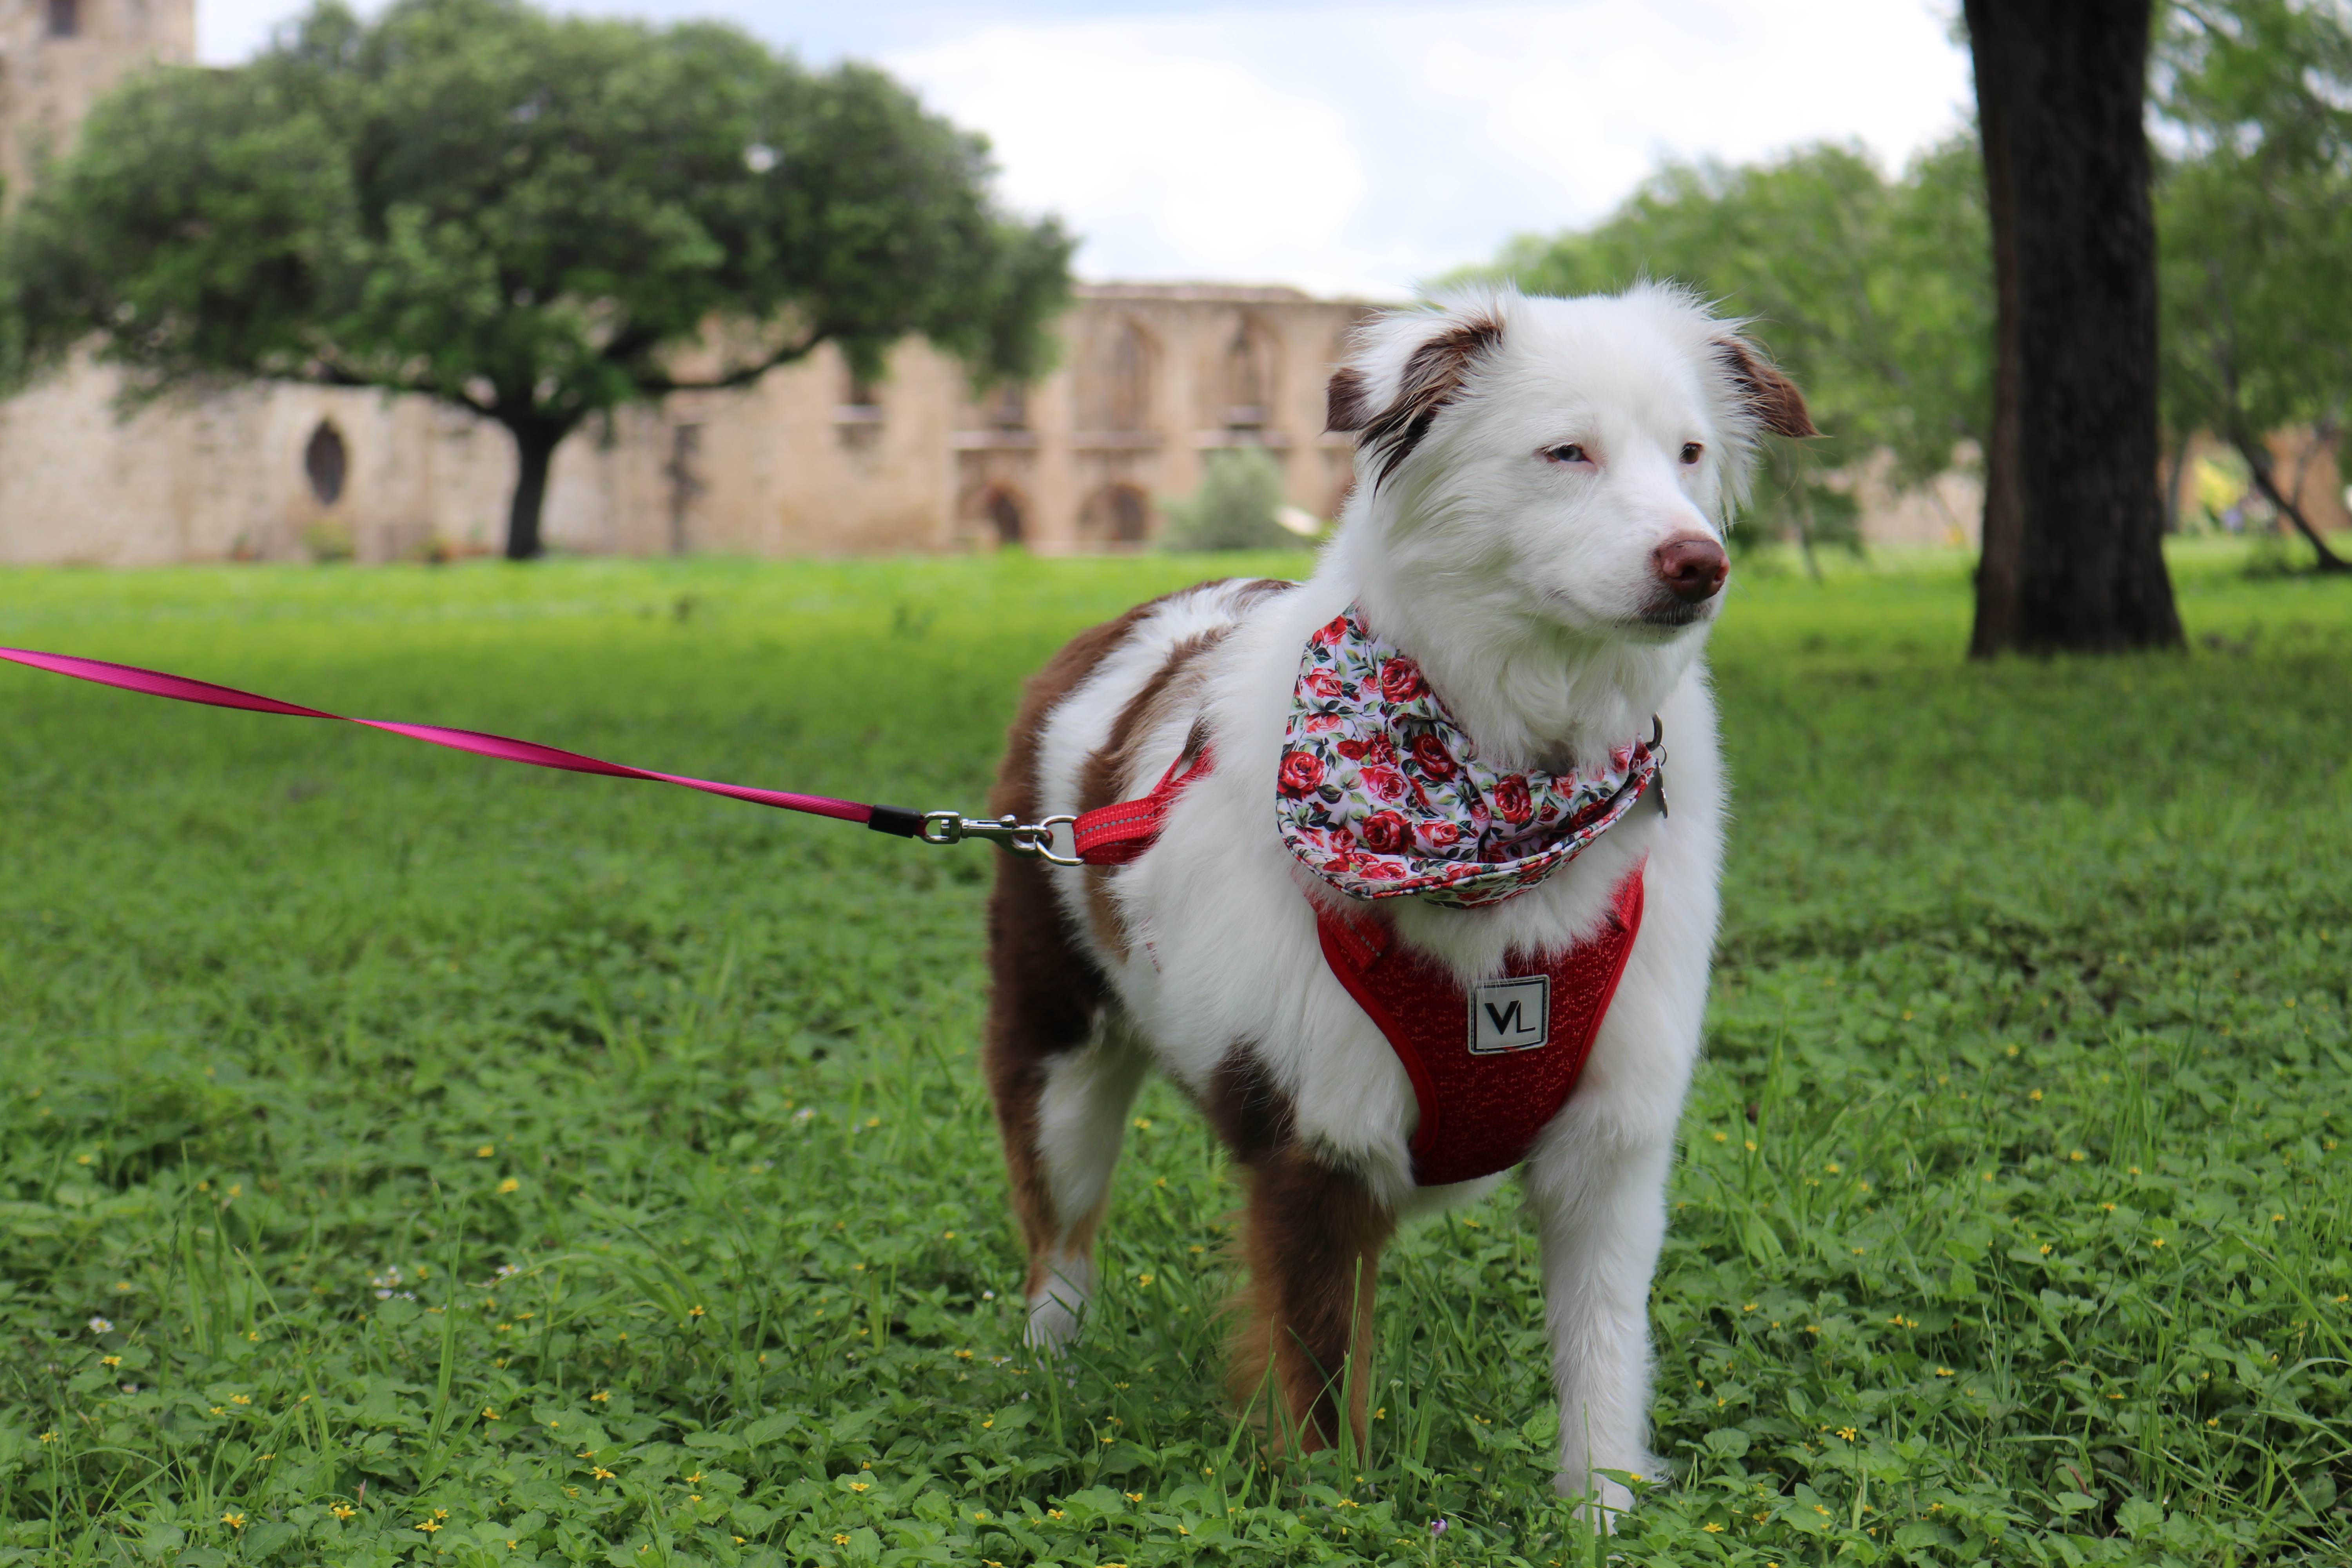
(1401, 680)
(1431, 756)
(1323, 683)
(1322, 723)
(1440, 834)
(1383, 783)
(1382, 750)
(1351, 750)
(1333, 632)
(1382, 870)
(1511, 798)
(1301, 771)
(1384, 833)
(1622, 756)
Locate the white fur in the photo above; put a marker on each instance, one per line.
(1518, 582)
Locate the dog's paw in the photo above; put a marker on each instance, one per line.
(1053, 1323)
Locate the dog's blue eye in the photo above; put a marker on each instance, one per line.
(1691, 450)
(1569, 452)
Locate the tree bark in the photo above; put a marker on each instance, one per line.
(535, 442)
(2074, 518)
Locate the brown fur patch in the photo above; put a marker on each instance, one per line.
(1046, 993)
(1768, 397)
(1432, 377)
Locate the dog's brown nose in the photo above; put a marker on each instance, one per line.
(1693, 567)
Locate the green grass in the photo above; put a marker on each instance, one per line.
(2011, 1224)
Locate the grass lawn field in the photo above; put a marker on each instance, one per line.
(410, 1158)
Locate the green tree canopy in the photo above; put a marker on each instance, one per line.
(2254, 212)
(1875, 293)
(532, 217)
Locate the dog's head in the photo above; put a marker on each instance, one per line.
(1575, 460)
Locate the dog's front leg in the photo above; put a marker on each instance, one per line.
(1601, 1214)
(1312, 1244)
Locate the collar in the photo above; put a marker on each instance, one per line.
(1382, 795)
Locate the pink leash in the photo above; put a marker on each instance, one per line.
(1034, 839)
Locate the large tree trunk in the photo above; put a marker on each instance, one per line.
(2073, 508)
(535, 442)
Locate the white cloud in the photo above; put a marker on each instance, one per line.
(1354, 148)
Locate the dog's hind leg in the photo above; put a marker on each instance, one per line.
(1062, 1068)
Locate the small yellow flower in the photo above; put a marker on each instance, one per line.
(601, 1395)
(1943, 1372)
(489, 1413)
(429, 1525)
(1710, 1526)
(234, 1519)
(1143, 1124)
(2213, 1421)
(344, 1512)
(484, 1151)
(841, 1540)
(240, 1399)
(509, 1185)
(1108, 1439)
(109, 1360)
(1138, 1497)
(2035, 1095)
(2078, 1156)
(48, 1437)
(1723, 1137)
(218, 1411)
(987, 1424)
(600, 1473)
(2045, 1249)
(2159, 1241)
(1143, 1280)
(1848, 1433)
(694, 1311)
(858, 1486)
(963, 1355)
(694, 1480)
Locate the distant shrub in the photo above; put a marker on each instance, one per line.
(1234, 507)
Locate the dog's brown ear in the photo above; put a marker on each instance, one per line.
(1347, 402)
(1406, 367)
(1769, 397)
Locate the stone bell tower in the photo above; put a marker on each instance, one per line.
(59, 56)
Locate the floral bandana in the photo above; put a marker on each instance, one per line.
(1382, 795)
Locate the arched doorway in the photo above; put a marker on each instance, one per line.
(1247, 378)
(1002, 510)
(1116, 514)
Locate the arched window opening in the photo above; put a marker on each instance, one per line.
(327, 462)
(64, 18)
(1117, 514)
(1119, 394)
(1248, 378)
(1007, 406)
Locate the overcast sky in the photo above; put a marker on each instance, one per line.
(1349, 148)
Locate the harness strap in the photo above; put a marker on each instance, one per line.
(1116, 834)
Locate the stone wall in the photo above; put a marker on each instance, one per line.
(1151, 379)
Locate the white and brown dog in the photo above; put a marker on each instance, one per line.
(1542, 488)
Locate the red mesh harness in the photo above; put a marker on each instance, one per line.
(1490, 1064)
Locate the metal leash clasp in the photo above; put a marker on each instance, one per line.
(1032, 840)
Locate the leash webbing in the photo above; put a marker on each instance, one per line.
(931, 826)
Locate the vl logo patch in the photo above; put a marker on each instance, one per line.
(1513, 1014)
